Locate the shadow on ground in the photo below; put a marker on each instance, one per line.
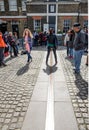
(23, 70)
(50, 69)
(82, 85)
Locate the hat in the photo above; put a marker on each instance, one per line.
(76, 25)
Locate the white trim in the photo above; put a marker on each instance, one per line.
(47, 12)
(55, 14)
(13, 17)
(56, 19)
(58, 2)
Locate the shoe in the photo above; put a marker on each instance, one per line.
(31, 59)
(46, 63)
(86, 64)
(27, 60)
(56, 63)
(76, 72)
(4, 64)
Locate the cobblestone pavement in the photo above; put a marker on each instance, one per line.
(78, 88)
(17, 82)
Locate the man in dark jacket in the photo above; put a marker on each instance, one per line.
(51, 45)
(79, 43)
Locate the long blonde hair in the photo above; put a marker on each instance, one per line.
(29, 33)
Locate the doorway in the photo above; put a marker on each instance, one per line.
(15, 28)
(3, 27)
(52, 21)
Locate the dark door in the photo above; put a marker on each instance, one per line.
(15, 28)
(52, 21)
(3, 27)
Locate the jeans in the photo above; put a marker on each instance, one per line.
(67, 48)
(77, 59)
(1, 54)
(71, 51)
(48, 53)
(29, 56)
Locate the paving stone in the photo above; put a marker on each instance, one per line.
(82, 127)
(7, 121)
(77, 86)
(5, 127)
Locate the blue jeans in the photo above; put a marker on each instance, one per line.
(77, 59)
(29, 56)
(71, 51)
(1, 54)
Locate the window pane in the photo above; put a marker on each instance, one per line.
(86, 23)
(66, 27)
(37, 24)
(23, 5)
(12, 5)
(2, 5)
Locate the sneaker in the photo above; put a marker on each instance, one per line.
(4, 64)
(76, 72)
(56, 63)
(86, 64)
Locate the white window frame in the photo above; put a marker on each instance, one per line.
(37, 27)
(67, 23)
(12, 5)
(2, 7)
(52, 8)
(24, 5)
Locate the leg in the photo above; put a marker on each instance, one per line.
(48, 53)
(29, 56)
(55, 55)
(87, 60)
(77, 59)
(67, 49)
(2, 57)
(14, 50)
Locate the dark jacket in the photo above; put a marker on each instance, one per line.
(52, 40)
(11, 40)
(79, 40)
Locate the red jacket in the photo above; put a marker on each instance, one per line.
(2, 43)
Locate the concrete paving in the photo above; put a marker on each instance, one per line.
(64, 118)
(38, 97)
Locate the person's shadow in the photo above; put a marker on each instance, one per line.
(23, 70)
(82, 85)
(50, 69)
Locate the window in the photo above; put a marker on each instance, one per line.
(23, 5)
(52, 8)
(66, 27)
(12, 5)
(2, 8)
(37, 24)
(85, 23)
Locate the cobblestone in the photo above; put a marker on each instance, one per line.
(78, 88)
(17, 82)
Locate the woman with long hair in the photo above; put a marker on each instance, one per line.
(27, 35)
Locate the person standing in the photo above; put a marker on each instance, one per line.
(79, 43)
(2, 47)
(15, 37)
(70, 43)
(12, 44)
(66, 41)
(51, 45)
(28, 42)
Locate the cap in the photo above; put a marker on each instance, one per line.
(76, 25)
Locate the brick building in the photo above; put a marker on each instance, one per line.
(57, 14)
(15, 15)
